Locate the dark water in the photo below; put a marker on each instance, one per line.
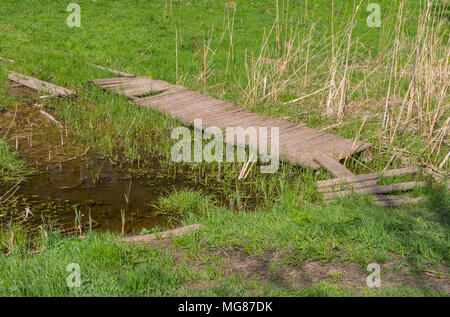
(68, 179)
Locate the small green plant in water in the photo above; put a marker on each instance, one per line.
(78, 217)
(95, 173)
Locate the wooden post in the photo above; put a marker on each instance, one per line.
(147, 238)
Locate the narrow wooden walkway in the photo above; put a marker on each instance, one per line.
(39, 85)
(298, 143)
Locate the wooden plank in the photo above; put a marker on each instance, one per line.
(245, 120)
(189, 101)
(142, 87)
(248, 120)
(7, 60)
(371, 176)
(195, 109)
(348, 180)
(348, 186)
(341, 148)
(305, 135)
(113, 71)
(331, 164)
(147, 238)
(192, 111)
(40, 85)
(228, 119)
(376, 189)
(149, 101)
(330, 144)
(203, 114)
(110, 82)
(304, 159)
(297, 141)
(357, 148)
(322, 143)
(170, 99)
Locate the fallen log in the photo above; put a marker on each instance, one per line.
(395, 201)
(147, 238)
(367, 177)
(388, 200)
(376, 189)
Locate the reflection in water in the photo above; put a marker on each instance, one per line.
(66, 179)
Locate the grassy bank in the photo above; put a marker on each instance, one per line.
(246, 254)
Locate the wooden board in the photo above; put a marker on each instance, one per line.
(367, 177)
(375, 189)
(40, 85)
(146, 238)
(348, 186)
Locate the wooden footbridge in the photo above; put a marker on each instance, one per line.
(298, 143)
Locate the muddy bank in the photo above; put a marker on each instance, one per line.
(69, 179)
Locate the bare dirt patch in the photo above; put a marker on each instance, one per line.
(269, 270)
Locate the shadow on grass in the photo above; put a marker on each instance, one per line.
(439, 202)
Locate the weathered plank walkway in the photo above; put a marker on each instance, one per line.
(298, 143)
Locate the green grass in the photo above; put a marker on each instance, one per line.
(107, 269)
